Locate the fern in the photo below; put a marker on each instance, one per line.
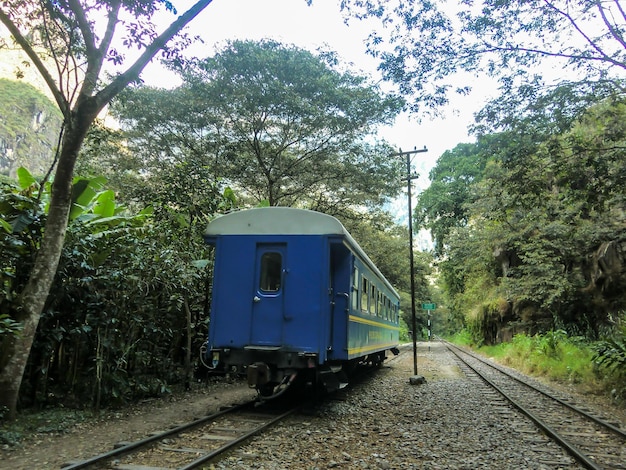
(611, 353)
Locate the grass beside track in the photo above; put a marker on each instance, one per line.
(556, 357)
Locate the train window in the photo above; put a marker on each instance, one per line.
(373, 299)
(271, 270)
(381, 309)
(355, 290)
(364, 294)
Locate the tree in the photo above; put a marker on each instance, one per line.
(443, 205)
(545, 219)
(278, 123)
(66, 37)
(429, 41)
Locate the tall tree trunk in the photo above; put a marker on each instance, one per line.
(35, 293)
(77, 123)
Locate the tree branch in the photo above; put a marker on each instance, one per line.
(122, 80)
(84, 26)
(575, 25)
(615, 33)
(604, 58)
(110, 29)
(621, 10)
(32, 55)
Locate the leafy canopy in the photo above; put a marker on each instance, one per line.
(422, 44)
(276, 122)
(542, 223)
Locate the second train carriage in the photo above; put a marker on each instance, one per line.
(295, 296)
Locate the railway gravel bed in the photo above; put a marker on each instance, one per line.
(384, 423)
(389, 424)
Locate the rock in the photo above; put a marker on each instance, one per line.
(417, 380)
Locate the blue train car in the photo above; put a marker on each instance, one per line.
(294, 296)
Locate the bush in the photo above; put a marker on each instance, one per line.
(610, 360)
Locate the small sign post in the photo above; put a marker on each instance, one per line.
(429, 308)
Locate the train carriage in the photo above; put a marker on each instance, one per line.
(294, 296)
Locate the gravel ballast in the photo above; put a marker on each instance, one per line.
(450, 422)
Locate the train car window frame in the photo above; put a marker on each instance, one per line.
(271, 266)
(372, 300)
(365, 294)
(355, 289)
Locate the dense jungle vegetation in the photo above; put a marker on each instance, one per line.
(528, 221)
(529, 224)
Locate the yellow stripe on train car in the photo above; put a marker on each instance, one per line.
(373, 323)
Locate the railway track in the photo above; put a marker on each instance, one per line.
(190, 445)
(591, 440)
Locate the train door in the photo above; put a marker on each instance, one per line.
(268, 297)
(340, 272)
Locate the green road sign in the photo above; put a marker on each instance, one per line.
(429, 306)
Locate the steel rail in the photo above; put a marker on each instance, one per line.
(156, 437)
(595, 419)
(206, 457)
(573, 451)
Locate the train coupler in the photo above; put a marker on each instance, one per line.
(258, 374)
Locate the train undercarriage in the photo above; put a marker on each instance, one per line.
(272, 372)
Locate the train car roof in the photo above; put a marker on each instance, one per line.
(274, 220)
(285, 221)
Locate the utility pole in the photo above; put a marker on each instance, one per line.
(409, 177)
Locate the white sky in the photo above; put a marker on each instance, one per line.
(321, 25)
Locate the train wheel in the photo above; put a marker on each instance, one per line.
(377, 359)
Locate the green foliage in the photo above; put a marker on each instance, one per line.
(60, 37)
(404, 334)
(29, 127)
(425, 46)
(462, 337)
(280, 123)
(22, 219)
(611, 353)
(444, 204)
(527, 232)
(51, 421)
(109, 331)
(8, 326)
(553, 355)
(549, 110)
(610, 358)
